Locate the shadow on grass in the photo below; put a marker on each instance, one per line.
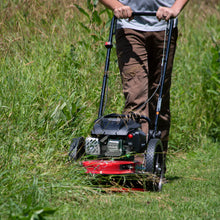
(172, 178)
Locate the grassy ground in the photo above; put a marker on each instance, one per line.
(192, 191)
(51, 65)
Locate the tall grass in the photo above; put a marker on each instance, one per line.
(51, 66)
(196, 85)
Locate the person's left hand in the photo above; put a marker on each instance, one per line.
(165, 13)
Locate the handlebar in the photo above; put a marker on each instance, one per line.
(109, 45)
(147, 13)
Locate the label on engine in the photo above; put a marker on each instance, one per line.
(113, 148)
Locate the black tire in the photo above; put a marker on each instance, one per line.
(154, 163)
(77, 149)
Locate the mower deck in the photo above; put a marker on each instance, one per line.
(111, 167)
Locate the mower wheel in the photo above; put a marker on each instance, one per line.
(77, 148)
(154, 163)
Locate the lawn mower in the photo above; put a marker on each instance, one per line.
(116, 139)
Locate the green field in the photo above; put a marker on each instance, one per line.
(52, 59)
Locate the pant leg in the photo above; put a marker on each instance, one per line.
(139, 57)
(133, 65)
(155, 53)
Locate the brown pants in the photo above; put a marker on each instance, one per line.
(139, 56)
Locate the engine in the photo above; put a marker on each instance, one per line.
(115, 136)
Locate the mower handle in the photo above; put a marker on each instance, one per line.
(109, 45)
(146, 13)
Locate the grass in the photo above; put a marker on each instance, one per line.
(196, 72)
(51, 66)
(192, 192)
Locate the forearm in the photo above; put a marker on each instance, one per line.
(179, 5)
(111, 4)
(120, 10)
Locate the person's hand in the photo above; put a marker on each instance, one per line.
(165, 13)
(123, 12)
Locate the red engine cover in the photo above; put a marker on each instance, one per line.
(109, 167)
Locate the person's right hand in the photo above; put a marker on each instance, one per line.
(123, 12)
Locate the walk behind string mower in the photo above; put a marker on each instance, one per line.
(116, 139)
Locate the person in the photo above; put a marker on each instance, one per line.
(139, 45)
